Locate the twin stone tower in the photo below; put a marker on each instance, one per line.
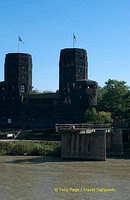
(21, 108)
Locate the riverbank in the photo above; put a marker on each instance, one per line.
(36, 134)
(43, 148)
(30, 148)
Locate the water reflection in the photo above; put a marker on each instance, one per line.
(35, 178)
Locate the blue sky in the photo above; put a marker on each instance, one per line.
(102, 27)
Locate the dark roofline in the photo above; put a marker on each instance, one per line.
(17, 54)
(73, 49)
(86, 80)
(44, 96)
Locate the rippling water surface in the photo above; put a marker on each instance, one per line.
(38, 178)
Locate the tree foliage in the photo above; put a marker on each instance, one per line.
(114, 99)
(47, 91)
(35, 91)
(92, 116)
(101, 92)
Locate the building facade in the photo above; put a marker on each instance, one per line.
(20, 107)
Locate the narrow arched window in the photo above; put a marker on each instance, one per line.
(22, 88)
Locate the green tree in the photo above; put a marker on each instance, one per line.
(92, 116)
(115, 99)
(47, 91)
(104, 117)
(35, 91)
(100, 93)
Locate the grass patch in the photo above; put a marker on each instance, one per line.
(30, 148)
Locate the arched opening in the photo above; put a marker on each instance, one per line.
(22, 88)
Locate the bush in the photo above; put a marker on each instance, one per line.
(6, 147)
(31, 148)
(92, 116)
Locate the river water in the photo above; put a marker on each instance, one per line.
(38, 178)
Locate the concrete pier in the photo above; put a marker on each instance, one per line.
(114, 142)
(83, 146)
(89, 142)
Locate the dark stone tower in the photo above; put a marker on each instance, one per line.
(18, 72)
(73, 66)
(74, 86)
(76, 91)
(18, 82)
